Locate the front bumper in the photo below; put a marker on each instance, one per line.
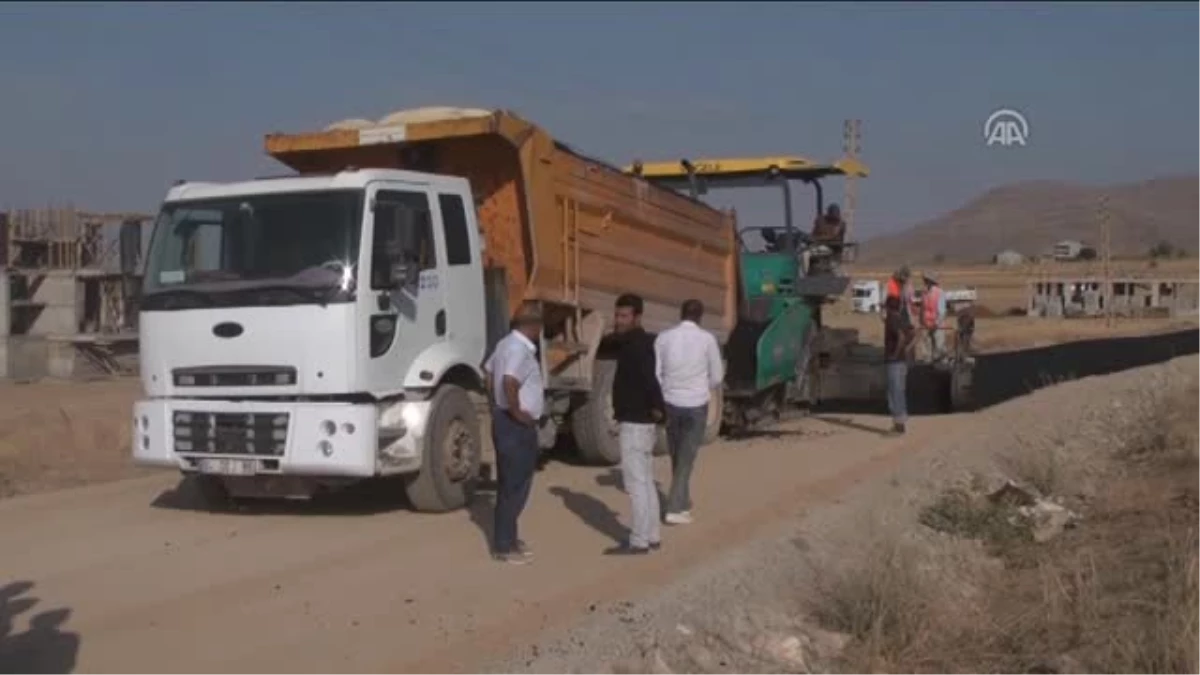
(276, 437)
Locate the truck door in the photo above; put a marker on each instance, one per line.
(462, 281)
(406, 299)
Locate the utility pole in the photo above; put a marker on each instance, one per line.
(1106, 259)
(851, 139)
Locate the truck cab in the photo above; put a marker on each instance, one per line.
(865, 297)
(298, 333)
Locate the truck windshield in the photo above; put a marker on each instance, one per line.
(257, 249)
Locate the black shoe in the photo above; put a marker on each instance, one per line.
(654, 546)
(626, 549)
(898, 429)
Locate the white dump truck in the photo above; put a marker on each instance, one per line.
(865, 296)
(305, 332)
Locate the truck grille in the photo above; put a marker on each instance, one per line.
(235, 376)
(254, 434)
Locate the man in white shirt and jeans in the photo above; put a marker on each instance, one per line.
(514, 378)
(688, 365)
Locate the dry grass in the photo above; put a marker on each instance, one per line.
(1164, 420)
(882, 597)
(1118, 593)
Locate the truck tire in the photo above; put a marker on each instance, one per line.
(592, 423)
(451, 456)
(716, 414)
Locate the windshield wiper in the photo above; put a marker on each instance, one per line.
(305, 293)
(207, 297)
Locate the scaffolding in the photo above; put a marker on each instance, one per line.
(70, 288)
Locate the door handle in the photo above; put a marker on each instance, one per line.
(439, 323)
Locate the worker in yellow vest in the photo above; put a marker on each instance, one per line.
(933, 315)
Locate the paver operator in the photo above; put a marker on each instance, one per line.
(830, 229)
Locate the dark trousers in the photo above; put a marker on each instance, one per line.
(685, 433)
(516, 461)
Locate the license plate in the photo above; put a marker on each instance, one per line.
(228, 467)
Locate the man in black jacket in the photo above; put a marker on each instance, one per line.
(638, 407)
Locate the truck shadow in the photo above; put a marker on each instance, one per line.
(42, 648)
(370, 497)
(1003, 376)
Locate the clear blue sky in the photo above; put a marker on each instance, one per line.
(105, 105)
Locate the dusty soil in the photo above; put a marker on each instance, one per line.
(365, 585)
(125, 574)
(57, 435)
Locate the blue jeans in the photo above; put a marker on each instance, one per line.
(897, 383)
(685, 433)
(516, 461)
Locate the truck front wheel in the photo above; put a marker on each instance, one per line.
(450, 464)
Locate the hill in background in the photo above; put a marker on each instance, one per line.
(1030, 217)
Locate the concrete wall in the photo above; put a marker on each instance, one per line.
(61, 295)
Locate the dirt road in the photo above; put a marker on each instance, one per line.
(155, 588)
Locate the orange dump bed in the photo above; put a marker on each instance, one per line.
(569, 231)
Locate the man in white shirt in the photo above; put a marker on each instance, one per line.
(514, 381)
(688, 365)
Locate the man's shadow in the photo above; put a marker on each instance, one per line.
(43, 647)
(481, 502)
(614, 478)
(595, 513)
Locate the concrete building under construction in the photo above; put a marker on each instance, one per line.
(68, 292)
(1128, 296)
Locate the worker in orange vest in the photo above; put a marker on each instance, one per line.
(933, 314)
(898, 287)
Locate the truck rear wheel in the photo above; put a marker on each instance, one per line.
(592, 424)
(450, 464)
(716, 414)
